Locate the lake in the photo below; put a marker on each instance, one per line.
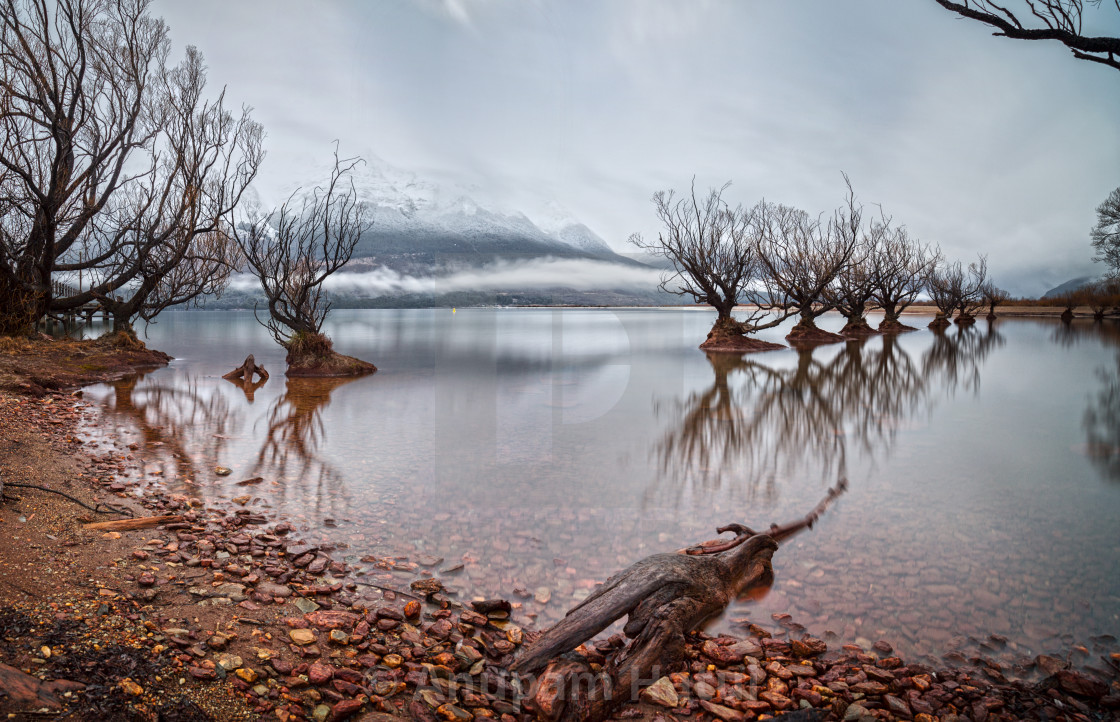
(544, 449)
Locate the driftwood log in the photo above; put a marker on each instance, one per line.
(245, 372)
(144, 522)
(666, 597)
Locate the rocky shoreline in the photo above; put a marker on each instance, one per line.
(224, 613)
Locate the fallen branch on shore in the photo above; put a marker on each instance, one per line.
(666, 596)
(144, 522)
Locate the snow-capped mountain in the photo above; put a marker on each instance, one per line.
(418, 222)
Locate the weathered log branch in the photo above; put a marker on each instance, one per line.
(245, 372)
(666, 597)
(145, 522)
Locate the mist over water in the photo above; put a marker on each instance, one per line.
(548, 448)
(501, 275)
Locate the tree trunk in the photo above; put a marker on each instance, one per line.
(19, 308)
(144, 522)
(666, 597)
(245, 372)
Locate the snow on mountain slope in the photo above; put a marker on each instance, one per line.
(415, 215)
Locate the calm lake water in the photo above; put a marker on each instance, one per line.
(545, 449)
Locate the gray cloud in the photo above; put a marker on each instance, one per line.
(976, 143)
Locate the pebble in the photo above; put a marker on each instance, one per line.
(302, 636)
(661, 693)
(247, 674)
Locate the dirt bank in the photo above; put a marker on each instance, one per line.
(35, 366)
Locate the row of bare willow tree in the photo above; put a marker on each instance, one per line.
(776, 262)
(122, 181)
(1101, 297)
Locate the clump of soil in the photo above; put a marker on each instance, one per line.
(34, 366)
(858, 328)
(806, 332)
(727, 336)
(313, 355)
(939, 322)
(965, 319)
(893, 325)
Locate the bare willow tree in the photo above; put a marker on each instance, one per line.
(714, 257)
(293, 251)
(853, 291)
(1060, 20)
(952, 287)
(900, 266)
(801, 257)
(1106, 234)
(75, 75)
(992, 295)
(113, 167)
(166, 240)
(1100, 297)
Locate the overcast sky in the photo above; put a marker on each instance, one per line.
(976, 143)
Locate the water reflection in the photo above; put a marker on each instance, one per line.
(957, 356)
(1102, 416)
(759, 423)
(520, 445)
(294, 437)
(167, 417)
(249, 388)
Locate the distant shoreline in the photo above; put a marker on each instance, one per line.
(1009, 310)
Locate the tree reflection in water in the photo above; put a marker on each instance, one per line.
(291, 448)
(180, 424)
(759, 424)
(955, 357)
(1101, 420)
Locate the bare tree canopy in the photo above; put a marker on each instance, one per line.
(853, 291)
(1061, 20)
(956, 288)
(166, 239)
(802, 256)
(1106, 234)
(900, 267)
(992, 295)
(714, 258)
(112, 165)
(713, 249)
(75, 76)
(293, 251)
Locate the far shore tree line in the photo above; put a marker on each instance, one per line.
(777, 262)
(774, 262)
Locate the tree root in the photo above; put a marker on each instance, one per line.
(101, 508)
